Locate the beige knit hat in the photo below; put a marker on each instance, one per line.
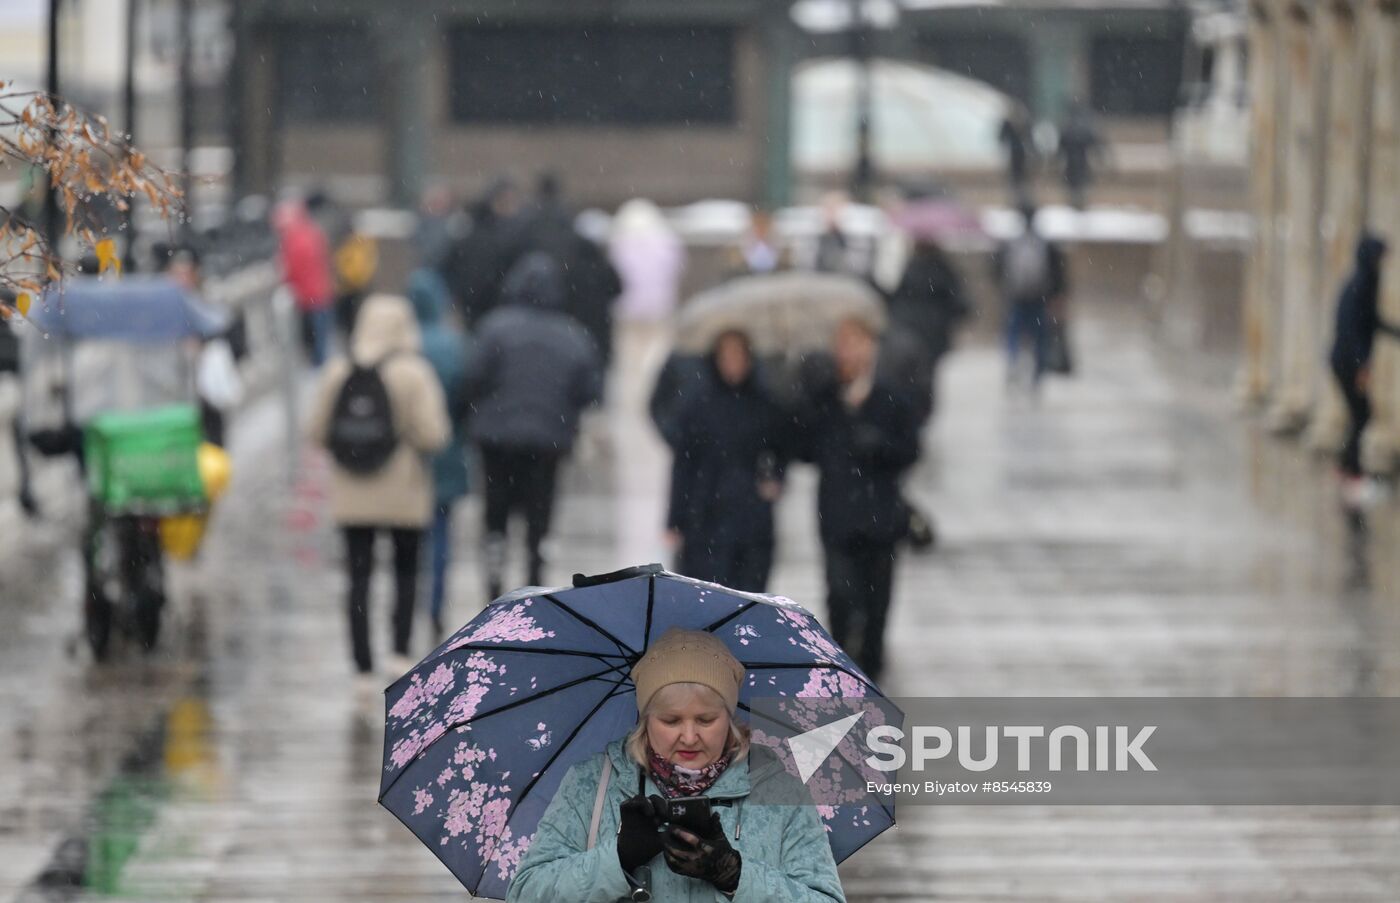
(688, 656)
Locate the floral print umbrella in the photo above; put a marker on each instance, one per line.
(480, 733)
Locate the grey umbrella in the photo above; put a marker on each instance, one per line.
(781, 313)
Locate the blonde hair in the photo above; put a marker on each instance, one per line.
(636, 743)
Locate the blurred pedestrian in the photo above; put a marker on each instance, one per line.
(355, 261)
(930, 302)
(1080, 150)
(546, 222)
(1030, 271)
(1015, 136)
(217, 382)
(760, 250)
(478, 261)
(380, 413)
(306, 269)
(834, 251)
(534, 371)
(1357, 322)
(10, 370)
(446, 349)
(650, 260)
(862, 434)
(680, 378)
(727, 472)
(441, 222)
(592, 282)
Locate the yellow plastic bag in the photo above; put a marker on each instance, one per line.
(180, 535)
(214, 470)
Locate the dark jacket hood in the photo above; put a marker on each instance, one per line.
(536, 280)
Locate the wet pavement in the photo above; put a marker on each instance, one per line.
(1127, 535)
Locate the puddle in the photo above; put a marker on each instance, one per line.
(173, 759)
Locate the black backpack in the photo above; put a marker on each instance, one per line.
(361, 437)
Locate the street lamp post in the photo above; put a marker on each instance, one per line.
(863, 173)
(186, 29)
(129, 121)
(51, 228)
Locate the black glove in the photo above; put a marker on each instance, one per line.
(639, 838)
(708, 857)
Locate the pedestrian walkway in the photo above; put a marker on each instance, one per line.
(1125, 536)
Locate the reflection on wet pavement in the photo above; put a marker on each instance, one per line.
(1128, 535)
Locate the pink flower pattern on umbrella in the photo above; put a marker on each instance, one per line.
(476, 811)
(418, 702)
(810, 638)
(509, 625)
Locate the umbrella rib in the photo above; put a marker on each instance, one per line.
(510, 705)
(540, 695)
(557, 753)
(589, 623)
(651, 602)
(729, 617)
(611, 694)
(475, 647)
(778, 666)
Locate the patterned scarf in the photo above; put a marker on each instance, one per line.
(677, 780)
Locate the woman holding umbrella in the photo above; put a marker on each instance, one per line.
(596, 841)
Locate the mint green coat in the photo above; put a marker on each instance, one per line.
(786, 857)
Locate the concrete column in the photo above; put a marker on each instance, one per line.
(1346, 137)
(405, 47)
(1268, 111)
(780, 40)
(1298, 350)
(1057, 67)
(1381, 444)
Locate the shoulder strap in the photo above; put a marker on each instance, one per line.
(598, 801)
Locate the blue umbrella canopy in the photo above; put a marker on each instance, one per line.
(480, 733)
(138, 309)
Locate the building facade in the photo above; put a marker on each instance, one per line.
(660, 98)
(664, 98)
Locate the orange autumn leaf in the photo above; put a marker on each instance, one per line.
(24, 301)
(107, 258)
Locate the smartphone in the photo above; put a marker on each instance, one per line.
(689, 812)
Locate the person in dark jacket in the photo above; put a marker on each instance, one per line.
(863, 434)
(478, 261)
(534, 372)
(1030, 270)
(591, 284)
(681, 378)
(1358, 321)
(1015, 136)
(727, 472)
(1080, 149)
(929, 301)
(546, 222)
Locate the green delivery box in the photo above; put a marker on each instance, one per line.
(145, 457)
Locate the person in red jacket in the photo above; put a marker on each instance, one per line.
(306, 269)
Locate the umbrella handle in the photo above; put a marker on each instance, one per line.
(641, 570)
